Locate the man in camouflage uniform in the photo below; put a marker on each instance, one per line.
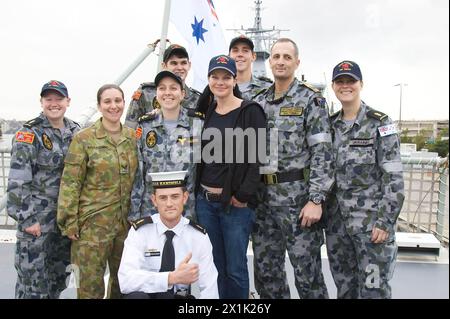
(292, 204)
(176, 60)
(163, 148)
(37, 162)
(242, 51)
(368, 194)
(94, 202)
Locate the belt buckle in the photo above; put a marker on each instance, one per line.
(207, 196)
(271, 179)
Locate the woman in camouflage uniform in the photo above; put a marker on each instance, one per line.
(368, 193)
(95, 195)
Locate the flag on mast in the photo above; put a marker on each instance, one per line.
(198, 23)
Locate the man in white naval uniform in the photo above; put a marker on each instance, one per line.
(165, 253)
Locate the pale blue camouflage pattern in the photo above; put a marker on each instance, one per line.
(144, 101)
(360, 268)
(171, 152)
(33, 188)
(256, 86)
(304, 141)
(369, 192)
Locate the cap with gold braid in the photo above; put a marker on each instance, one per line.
(168, 179)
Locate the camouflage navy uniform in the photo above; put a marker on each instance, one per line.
(37, 163)
(160, 151)
(256, 86)
(144, 101)
(368, 193)
(304, 148)
(94, 202)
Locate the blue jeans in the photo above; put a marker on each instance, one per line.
(229, 230)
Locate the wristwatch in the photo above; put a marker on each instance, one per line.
(317, 199)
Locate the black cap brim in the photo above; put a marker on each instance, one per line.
(164, 74)
(178, 51)
(60, 92)
(241, 40)
(348, 74)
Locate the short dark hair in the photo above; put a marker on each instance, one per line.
(107, 87)
(183, 188)
(287, 40)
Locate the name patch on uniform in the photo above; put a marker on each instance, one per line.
(291, 111)
(47, 142)
(25, 137)
(151, 139)
(152, 253)
(388, 130)
(138, 132)
(361, 142)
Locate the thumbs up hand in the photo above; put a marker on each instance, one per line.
(185, 273)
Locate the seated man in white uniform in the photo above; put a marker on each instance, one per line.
(165, 253)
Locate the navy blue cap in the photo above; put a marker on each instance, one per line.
(349, 68)
(241, 39)
(223, 62)
(55, 86)
(175, 49)
(164, 74)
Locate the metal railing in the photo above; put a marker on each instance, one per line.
(425, 208)
(426, 189)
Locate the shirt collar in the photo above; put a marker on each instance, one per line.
(161, 228)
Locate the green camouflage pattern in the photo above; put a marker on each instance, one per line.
(94, 202)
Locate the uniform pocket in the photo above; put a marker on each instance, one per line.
(290, 134)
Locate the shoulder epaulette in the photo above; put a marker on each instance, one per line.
(380, 116)
(265, 79)
(141, 222)
(309, 86)
(147, 84)
(147, 117)
(335, 114)
(33, 122)
(194, 91)
(194, 113)
(262, 91)
(76, 123)
(197, 226)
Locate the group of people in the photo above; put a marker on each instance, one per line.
(315, 178)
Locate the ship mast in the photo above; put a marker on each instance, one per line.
(263, 40)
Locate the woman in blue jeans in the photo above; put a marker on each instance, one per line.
(228, 175)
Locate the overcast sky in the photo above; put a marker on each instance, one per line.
(88, 43)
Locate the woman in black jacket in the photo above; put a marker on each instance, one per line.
(228, 175)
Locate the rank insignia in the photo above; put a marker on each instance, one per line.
(291, 111)
(47, 142)
(156, 104)
(25, 137)
(138, 132)
(151, 139)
